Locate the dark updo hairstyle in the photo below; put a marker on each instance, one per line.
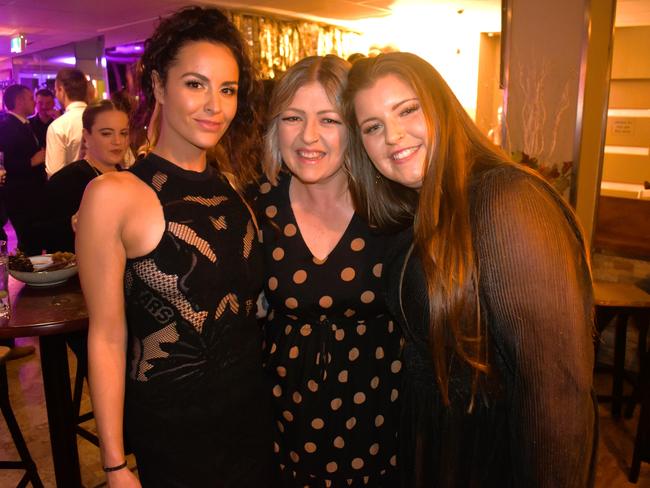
(92, 111)
(239, 150)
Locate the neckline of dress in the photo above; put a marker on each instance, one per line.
(299, 232)
(168, 167)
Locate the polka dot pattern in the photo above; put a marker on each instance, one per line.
(331, 352)
(357, 244)
(299, 277)
(348, 274)
(271, 211)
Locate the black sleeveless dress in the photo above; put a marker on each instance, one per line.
(196, 410)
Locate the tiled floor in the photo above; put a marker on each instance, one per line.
(615, 448)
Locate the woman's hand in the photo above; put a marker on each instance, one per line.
(123, 478)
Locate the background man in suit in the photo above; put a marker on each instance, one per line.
(25, 177)
(45, 114)
(23, 158)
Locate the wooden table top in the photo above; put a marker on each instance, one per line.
(620, 295)
(44, 311)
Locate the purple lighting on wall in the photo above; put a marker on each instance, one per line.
(67, 60)
(124, 52)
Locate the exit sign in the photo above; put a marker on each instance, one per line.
(18, 43)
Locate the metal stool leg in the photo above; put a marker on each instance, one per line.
(642, 441)
(619, 363)
(637, 394)
(80, 377)
(26, 462)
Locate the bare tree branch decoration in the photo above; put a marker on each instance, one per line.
(541, 122)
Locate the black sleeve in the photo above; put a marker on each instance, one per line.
(535, 280)
(62, 196)
(18, 147)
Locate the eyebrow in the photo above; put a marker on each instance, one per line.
(320, 112)
(206, 79)
(394, 107)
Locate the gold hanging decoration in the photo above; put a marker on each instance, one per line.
(277, 44)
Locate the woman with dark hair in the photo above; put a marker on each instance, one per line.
(172, 273)
(491, 286)
(106, 138)
(332, 351)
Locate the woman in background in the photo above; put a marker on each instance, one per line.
(171, 274)
(331, 348)
(491, 286)
(106, 138)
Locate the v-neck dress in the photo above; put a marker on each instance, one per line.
(331, 352)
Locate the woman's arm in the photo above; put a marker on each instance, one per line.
(535, 281)
(101, 256)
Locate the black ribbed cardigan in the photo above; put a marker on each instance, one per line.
(535, 424)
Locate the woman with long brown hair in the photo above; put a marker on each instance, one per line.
(491, 284)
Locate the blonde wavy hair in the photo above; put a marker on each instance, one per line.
(329, 71)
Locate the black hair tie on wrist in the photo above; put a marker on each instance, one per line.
(109, 469)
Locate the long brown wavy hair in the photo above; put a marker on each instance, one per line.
(240, 149)
(457, 153)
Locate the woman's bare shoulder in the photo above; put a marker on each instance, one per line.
(119, 188)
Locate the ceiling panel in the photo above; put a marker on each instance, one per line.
(54, 22)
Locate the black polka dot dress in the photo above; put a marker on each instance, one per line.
(331, 352)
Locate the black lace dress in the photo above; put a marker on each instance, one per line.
(332, 354)
(197, 413)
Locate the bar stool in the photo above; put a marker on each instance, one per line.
(81, 376)
(642, 441)
(26, 462)
(618, 303)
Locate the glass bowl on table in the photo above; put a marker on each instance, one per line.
(43, 270)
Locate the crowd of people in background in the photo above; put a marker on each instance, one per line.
(402, 342)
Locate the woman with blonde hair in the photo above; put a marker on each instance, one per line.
(491, 285)
(331, 348)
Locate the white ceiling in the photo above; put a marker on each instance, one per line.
(49, 23)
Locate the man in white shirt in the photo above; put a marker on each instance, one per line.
(65, 133)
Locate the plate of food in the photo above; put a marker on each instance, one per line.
(43, 270)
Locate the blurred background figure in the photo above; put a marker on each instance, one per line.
(23, 159)
(24, 179)
(65, 133)
(355, 56)
(106, 137)
(45, 114)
